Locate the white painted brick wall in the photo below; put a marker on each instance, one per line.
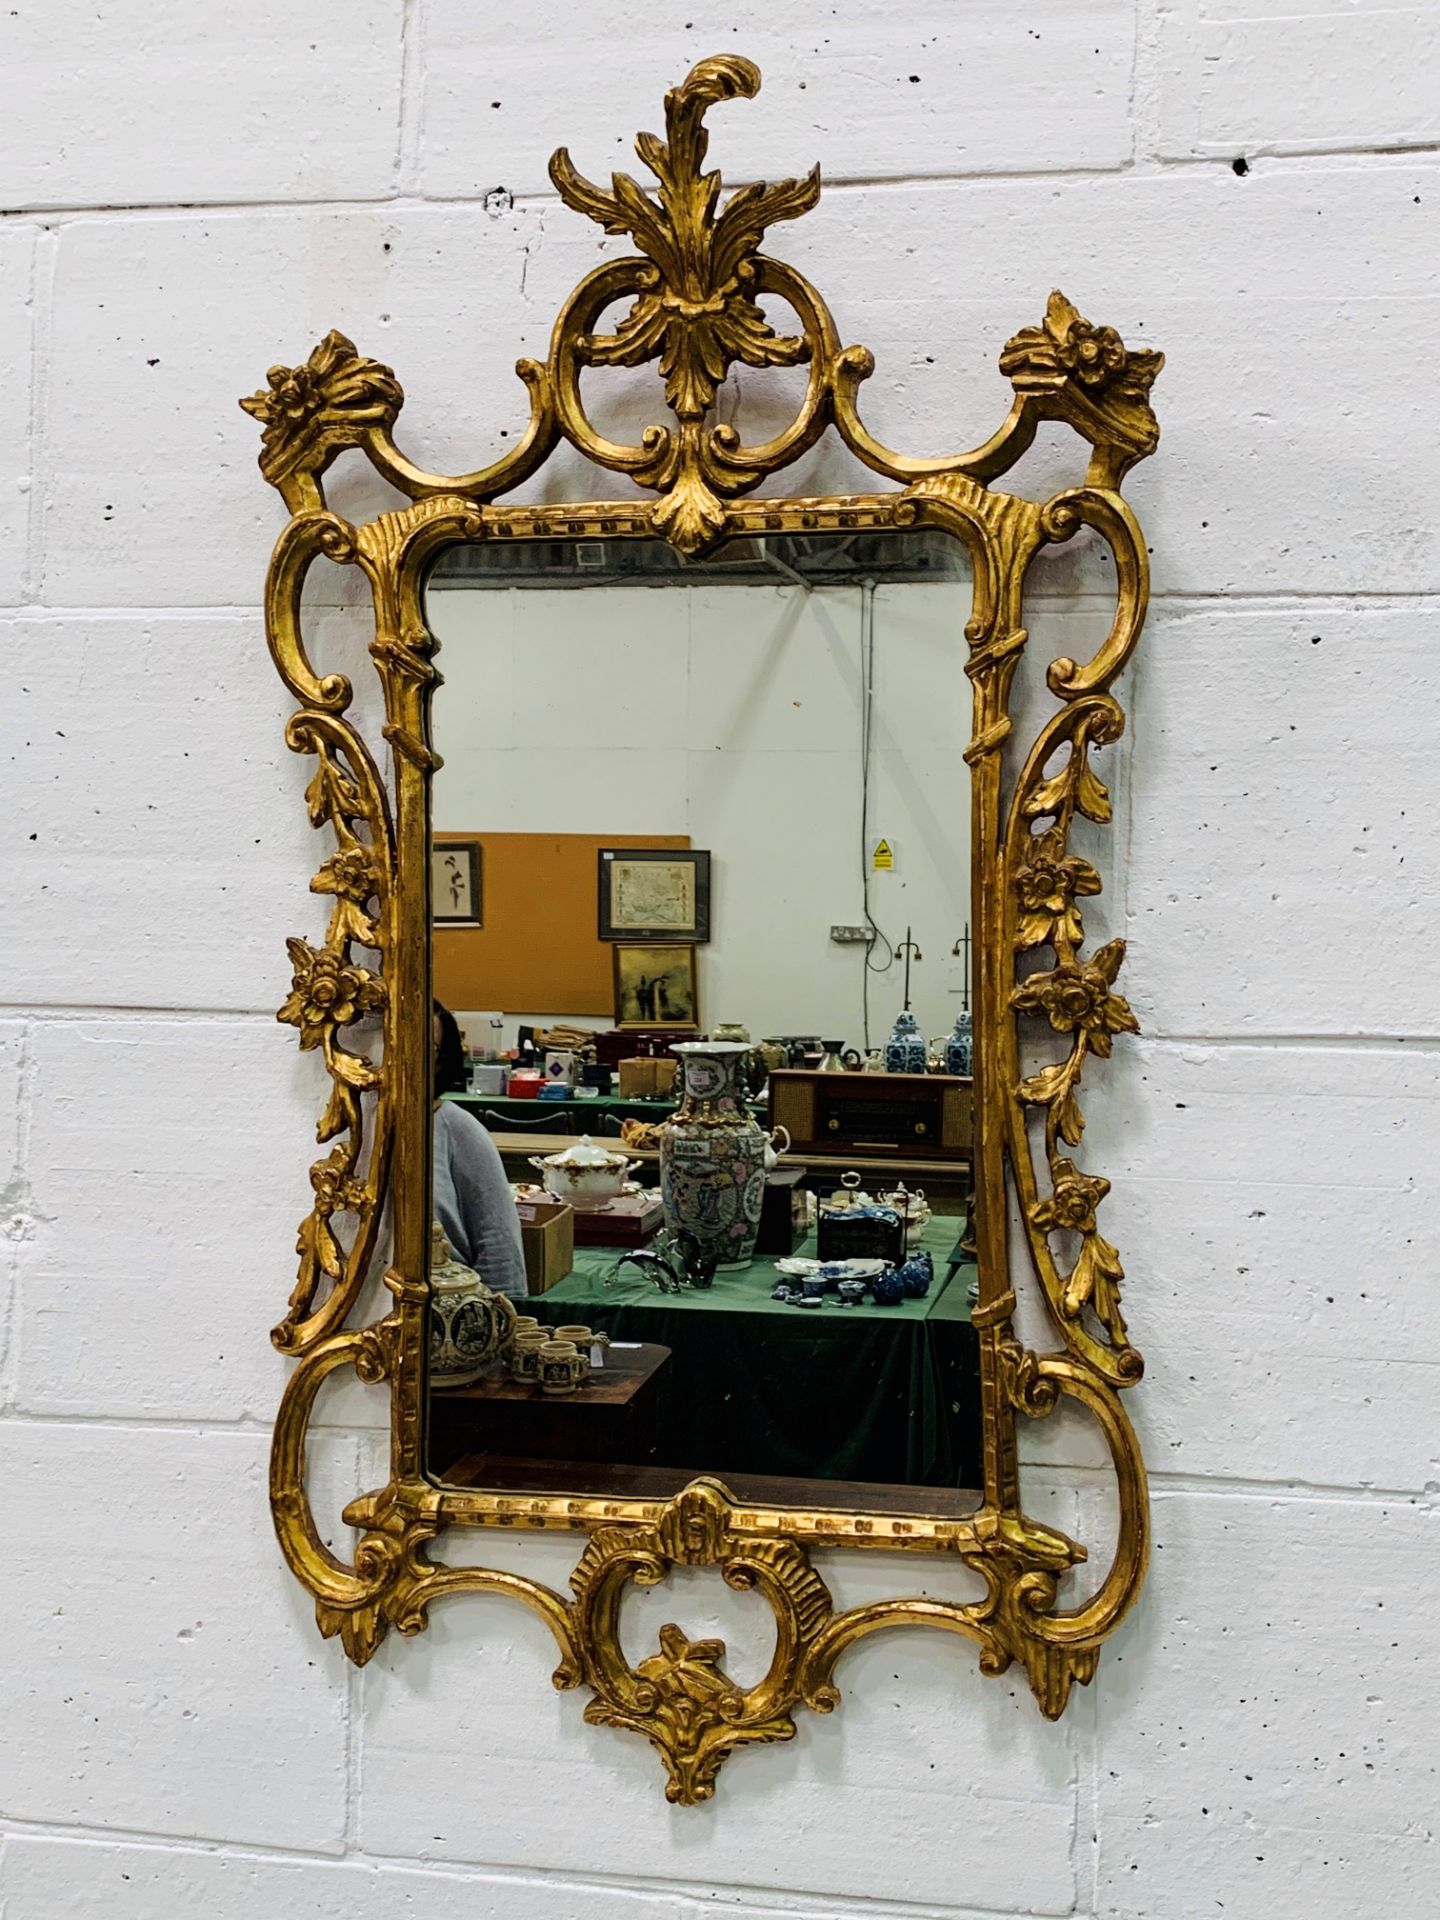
(195, 191)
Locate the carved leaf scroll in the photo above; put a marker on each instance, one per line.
(1076, 997)
(330, 992)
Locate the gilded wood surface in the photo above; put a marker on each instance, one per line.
(695, 287)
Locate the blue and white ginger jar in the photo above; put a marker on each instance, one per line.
(905, 1050)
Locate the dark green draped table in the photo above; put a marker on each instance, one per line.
(887, 1395)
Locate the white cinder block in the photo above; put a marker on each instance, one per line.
(1284, 771)
(15, 1222)
(1263, 1728)
(19, 246)
(1258, 485)
(44, 1879)
(110, 107)
(460, 1781)
(154, 802)
(1238, 77)
(63, 1879)
(13, 1101)
(1221, 264)
(1276, 1209)
(136, 295)
(944, 90)
(161, 1672)
(167, 1167)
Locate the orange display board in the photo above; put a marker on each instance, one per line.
(538, 951)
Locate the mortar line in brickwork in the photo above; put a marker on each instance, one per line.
(17, 1202)
(1318, 160)
(804, 1904)
(42, 280)
(1310, 1042)
(96, 1012)
(91, 1012)
(410, 119)
(171, 1423)
(1340, 600)
(1162, 1480)
(39, 611)
(1223, 1485)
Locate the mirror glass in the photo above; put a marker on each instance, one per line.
(701, 897)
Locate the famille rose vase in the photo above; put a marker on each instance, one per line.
(712, 1154)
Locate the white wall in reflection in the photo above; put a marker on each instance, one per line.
(733, 713)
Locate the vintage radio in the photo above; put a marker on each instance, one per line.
(911, 1116)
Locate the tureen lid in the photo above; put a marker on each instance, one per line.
(584, 1153)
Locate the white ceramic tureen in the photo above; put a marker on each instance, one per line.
(585, 1175)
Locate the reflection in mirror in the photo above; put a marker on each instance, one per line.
(702, 1136)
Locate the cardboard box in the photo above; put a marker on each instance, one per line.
(647, 1079)
(547, 1228)
(637, 1079)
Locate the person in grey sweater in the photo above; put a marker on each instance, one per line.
(471, 1197)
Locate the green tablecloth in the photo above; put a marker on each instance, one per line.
(881, 1394)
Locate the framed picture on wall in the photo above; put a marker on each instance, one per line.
(654, 893)
(455, 883)
(655, 986)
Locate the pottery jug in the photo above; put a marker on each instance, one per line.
(469, 1325)
(773, 1148)
(712, 1154)
(905, 1050)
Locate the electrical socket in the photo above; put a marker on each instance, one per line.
(850, 936)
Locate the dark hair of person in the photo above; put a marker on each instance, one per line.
(451, 1075)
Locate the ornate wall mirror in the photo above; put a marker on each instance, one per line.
(718, 783)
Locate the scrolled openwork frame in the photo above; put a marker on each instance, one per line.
(695, 283)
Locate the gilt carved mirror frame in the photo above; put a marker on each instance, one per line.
(693, 286)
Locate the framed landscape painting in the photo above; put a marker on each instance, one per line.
(655, 986)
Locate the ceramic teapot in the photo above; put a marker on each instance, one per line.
(913, 1209)
(469, 1325)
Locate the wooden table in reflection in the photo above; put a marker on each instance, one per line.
(948, 1180)
(612, 1417)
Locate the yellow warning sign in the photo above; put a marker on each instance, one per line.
(882, 857)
